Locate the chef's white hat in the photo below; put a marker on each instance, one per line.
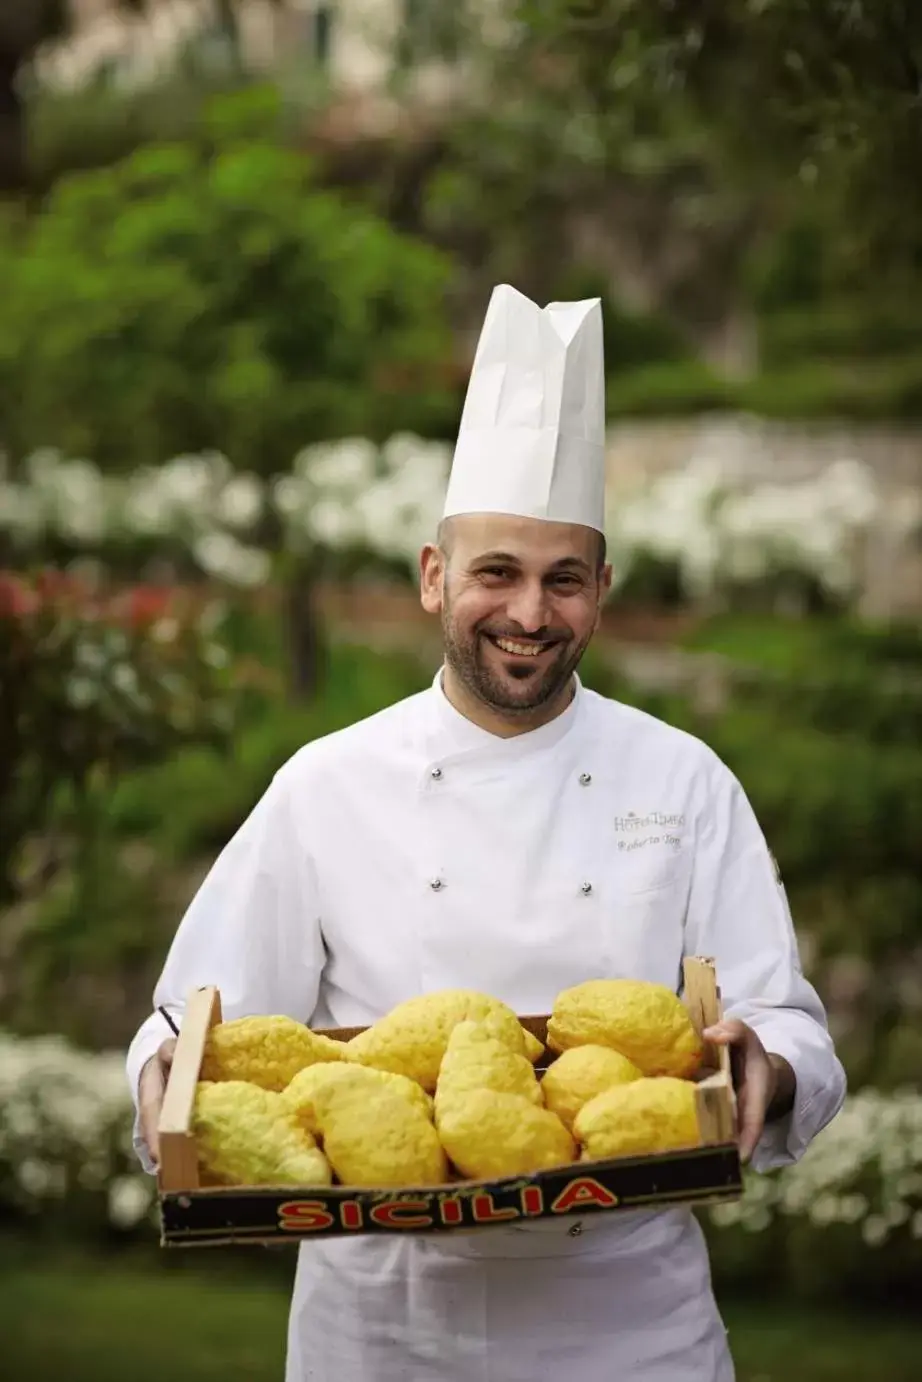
(532, 435)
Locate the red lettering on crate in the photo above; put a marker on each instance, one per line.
(485, 1211)
(298, 1216)
(451, 1211)
(350, 1212)
(533, 1200)
(400, 1214)
(582, 1192)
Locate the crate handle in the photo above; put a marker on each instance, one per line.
(178, 1169)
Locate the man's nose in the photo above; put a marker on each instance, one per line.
(528, 607)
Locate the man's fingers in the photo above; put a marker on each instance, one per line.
(751, 1077)
(149, 1121)
(150, 1098)
(149, 1118)
(724, 1033)
(752, 1101)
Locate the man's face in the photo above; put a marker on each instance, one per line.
(519, 600)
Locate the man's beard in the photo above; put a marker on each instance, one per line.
(465, 656)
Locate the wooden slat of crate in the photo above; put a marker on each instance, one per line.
(178, 1169)
(716, 1101)
(536, 1025)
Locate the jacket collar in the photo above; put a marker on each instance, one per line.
(460, 735)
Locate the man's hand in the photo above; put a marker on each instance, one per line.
(765, 1084)
(151, 1089)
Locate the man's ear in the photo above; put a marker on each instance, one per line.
(431, 576)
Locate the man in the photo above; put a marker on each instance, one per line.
(509, 831)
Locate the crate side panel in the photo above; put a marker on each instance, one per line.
(280, 1214)
(178, 1168)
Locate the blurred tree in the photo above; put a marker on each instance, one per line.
(227, 26)
(93, 682)
(544, 170)
(429, 30)
(673, 146)
(25, 25)
(208, 296)
(22, 29)
(822, 92)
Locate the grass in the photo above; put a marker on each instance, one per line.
(108, 1324)
(790, 1343)
(105, 1321)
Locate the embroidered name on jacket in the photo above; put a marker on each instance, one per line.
(655, 819)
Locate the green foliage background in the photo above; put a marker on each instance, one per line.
(208, 294)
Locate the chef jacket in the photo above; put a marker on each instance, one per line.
(416, 851)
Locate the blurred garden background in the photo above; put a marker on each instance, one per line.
(245, 250)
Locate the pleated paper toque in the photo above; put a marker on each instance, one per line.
(532, 435)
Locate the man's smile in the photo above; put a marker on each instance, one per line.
(513, 647)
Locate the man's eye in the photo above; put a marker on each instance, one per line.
(499, 571)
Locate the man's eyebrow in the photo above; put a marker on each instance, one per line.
(562, 563)
(571, 564)
(496, 556)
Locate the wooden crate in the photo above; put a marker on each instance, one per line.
(196, 1213)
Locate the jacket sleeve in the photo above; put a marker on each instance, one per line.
(738, 914)
(252, 929)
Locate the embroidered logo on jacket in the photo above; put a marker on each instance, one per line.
(653, 820)
(653, 828)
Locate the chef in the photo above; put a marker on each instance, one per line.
(511, 831)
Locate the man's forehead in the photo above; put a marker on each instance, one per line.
(526, 540)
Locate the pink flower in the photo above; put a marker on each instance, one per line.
(16, 599)
(52, 585)
(147, 604)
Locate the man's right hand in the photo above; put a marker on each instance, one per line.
(151, 1089)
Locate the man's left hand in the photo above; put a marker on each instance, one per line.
(764, 1083)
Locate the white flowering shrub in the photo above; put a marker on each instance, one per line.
(864, 1171)
(349, 494)
(194, 507)
(721, 530)
(353, 494)
(724, 532)
(66, 1135)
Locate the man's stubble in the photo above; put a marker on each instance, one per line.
(464, 654)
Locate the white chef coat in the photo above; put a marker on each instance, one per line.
(415, 851)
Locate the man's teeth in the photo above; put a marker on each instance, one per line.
(522, 649)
